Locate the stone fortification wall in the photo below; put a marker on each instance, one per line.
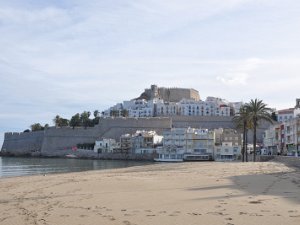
(22, 143)
(177, 94)
(170, 94)
(58, 141)
(115, 127)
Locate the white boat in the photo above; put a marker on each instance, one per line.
(71, 156)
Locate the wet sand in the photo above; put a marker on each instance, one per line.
(161, 194)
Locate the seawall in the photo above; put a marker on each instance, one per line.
(22, 143)
(59, 141)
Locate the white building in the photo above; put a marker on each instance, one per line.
(145, 141)
(196, 144)
(186, 107)
(227, 152)
(105, 145)
(285, 115)
(272, 139)
(141, 142)
(167, 109)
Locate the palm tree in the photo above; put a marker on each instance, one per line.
(241, 119)
(258, 111)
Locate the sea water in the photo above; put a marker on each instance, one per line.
(16, 166)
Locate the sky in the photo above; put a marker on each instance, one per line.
(66, 56)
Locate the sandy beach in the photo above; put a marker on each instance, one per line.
(184, 193)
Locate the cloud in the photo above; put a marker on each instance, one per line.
(48, 15)
(63, 57)
(241, 72)
(235, 79)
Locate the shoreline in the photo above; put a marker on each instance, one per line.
(185, 193)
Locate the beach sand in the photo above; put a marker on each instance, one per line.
(160, 194)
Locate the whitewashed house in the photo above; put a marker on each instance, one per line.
(106, 145)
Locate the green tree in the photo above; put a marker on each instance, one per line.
(97, 117)
(56, 120)
(258, 111)
(124, 113)
(63, 122)
(96, 113)
(60, 122)
(75, 121)
(274, 116)
(85, 119)
(114, 113)
(36, 127)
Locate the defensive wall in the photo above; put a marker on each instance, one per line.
(22, 143)
(59, 141)
(170, 94)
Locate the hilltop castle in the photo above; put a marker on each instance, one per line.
(169, 94)
(165, 102)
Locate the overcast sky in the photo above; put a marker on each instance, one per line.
(67, 56)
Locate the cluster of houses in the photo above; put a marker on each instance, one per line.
(177, 144)
(284, 137)
(185, 107)
(176, 103)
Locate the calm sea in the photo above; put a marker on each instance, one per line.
(15, 166)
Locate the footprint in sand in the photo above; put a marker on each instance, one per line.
(111, 218)
(292, 211)
(162, 212)
(126, 222)
(255, 214)
(83, 216)
(217, 213)
(255, 202)
(64, 215)
(195, 214)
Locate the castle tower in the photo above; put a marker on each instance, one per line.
(154, 91)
